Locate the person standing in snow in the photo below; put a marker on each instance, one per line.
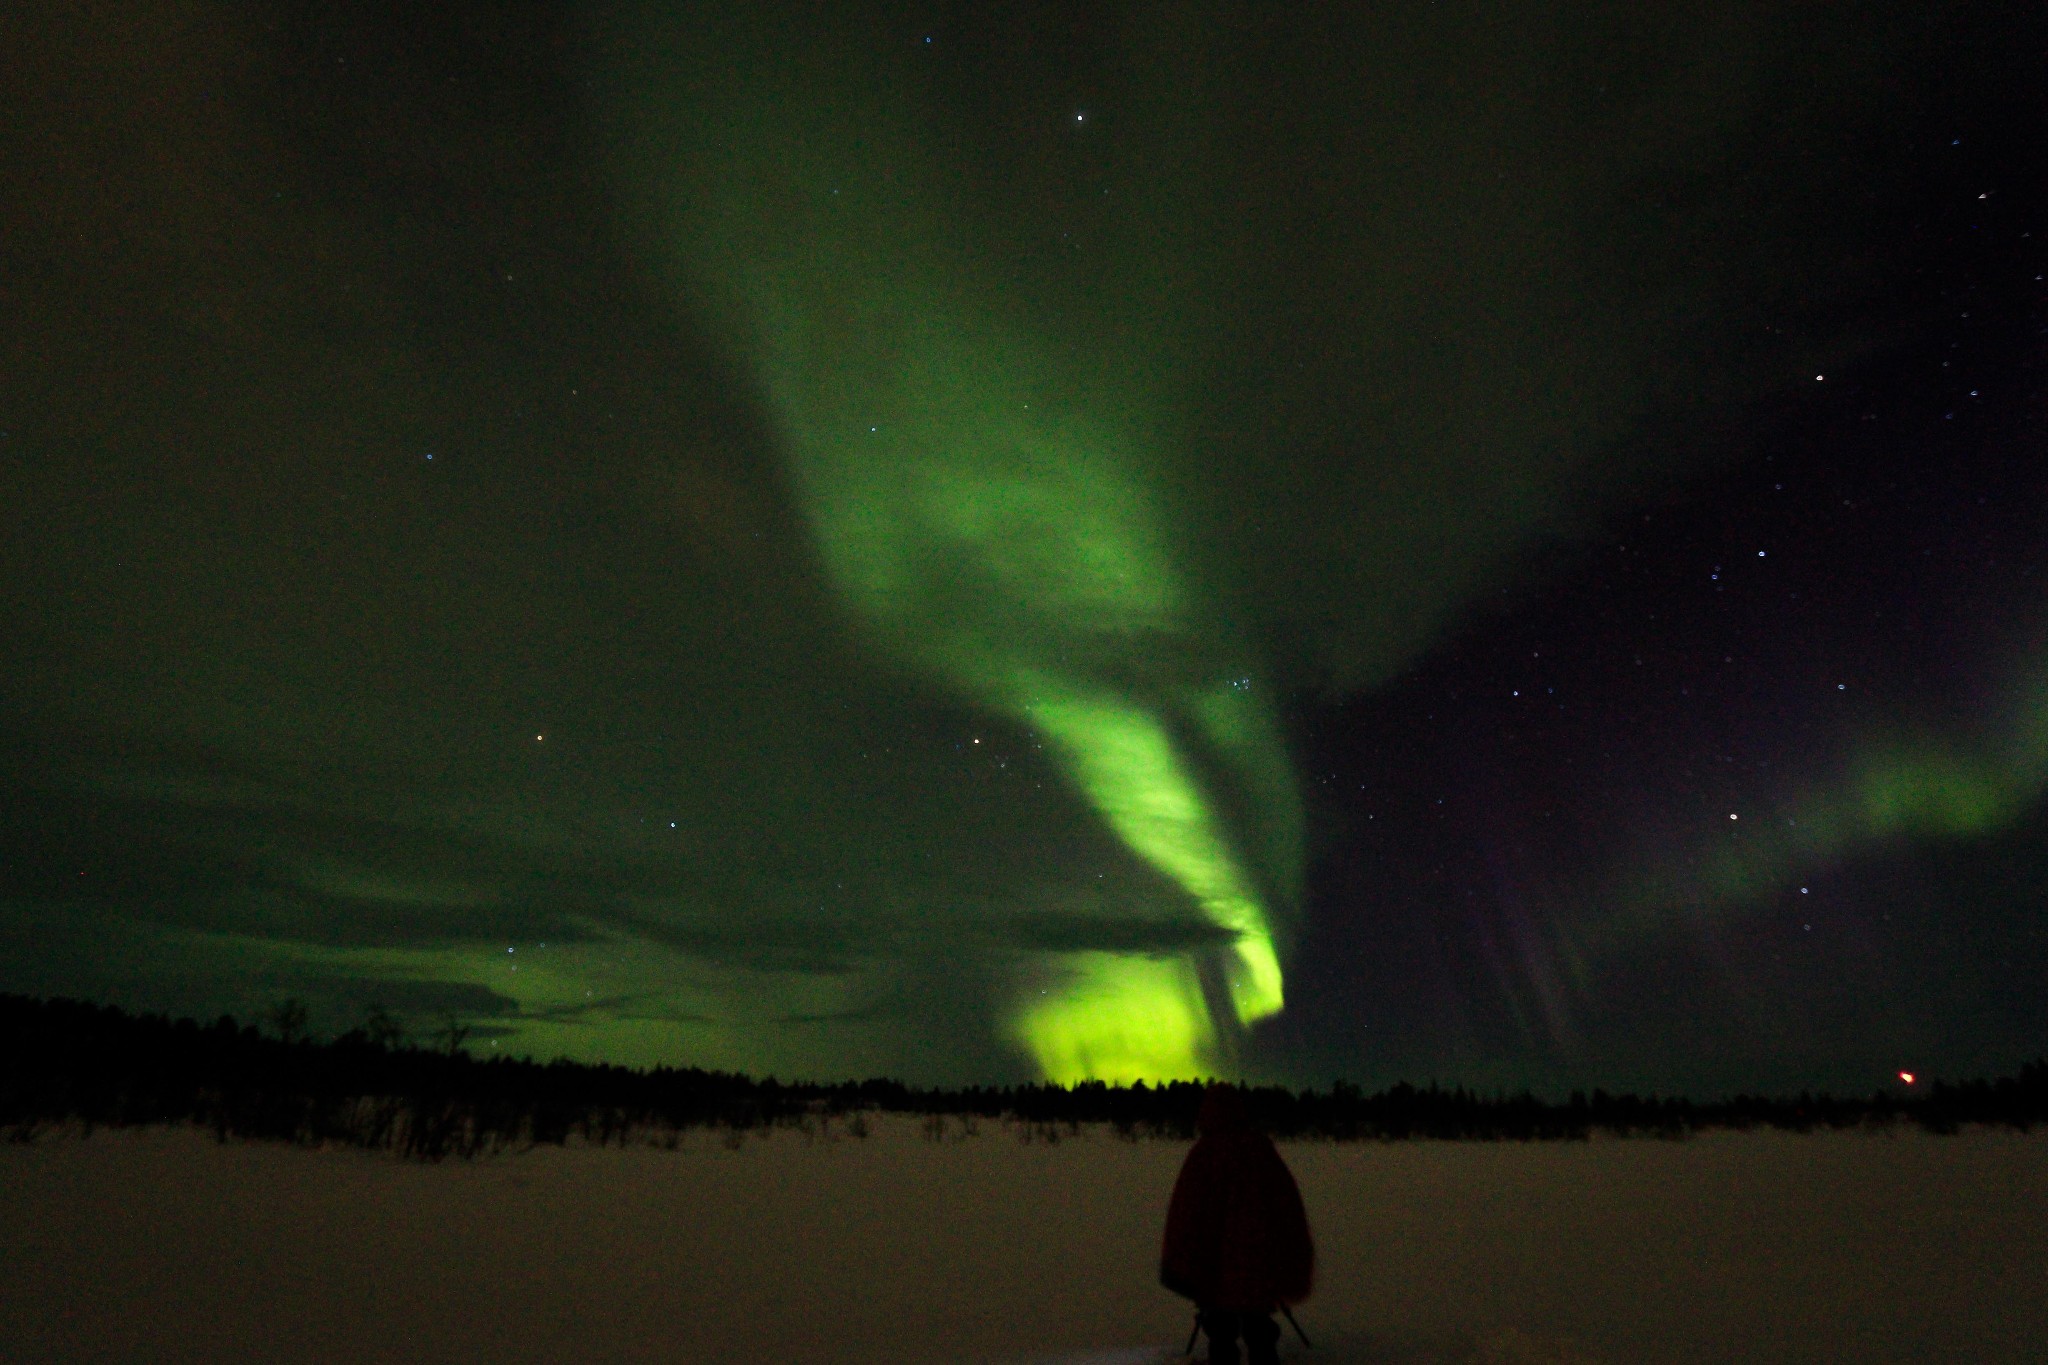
(1237, 1239)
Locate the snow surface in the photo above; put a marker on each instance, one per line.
(1508, 1347)
(168, 1247)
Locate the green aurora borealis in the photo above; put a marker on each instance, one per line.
(1000, 541)
(988, 503)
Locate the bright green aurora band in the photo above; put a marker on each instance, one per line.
(986, 506)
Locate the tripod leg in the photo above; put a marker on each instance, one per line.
(1297, 1327)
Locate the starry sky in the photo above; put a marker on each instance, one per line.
(985, 542)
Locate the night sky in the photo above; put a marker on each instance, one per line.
(1495, 542)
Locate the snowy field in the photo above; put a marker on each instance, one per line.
(167, 1247)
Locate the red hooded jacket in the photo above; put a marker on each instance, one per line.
(1236, 1234)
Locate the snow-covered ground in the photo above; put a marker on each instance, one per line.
(165, 1246)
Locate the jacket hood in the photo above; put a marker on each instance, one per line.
(1222, 1110)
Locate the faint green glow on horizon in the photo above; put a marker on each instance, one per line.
(615, 998)
(985, 500)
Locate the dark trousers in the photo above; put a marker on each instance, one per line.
(1261, 1336)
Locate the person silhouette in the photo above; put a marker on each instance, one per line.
(1237, 1241)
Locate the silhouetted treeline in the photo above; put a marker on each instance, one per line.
(68, 1064)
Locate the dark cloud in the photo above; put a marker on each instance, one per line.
(595, 1012)
(758, 942)
(1090, 933)
(408, 998)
